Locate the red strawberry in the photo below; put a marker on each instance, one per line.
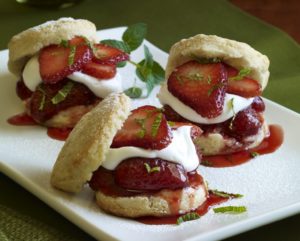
(200, 86)
(245, 87)
(22, 91)
(246, 123)
(146, 127)
(258, 104)
(150, 174)
(57, 61)
(100, 71)
(105, 54)
(195, 130)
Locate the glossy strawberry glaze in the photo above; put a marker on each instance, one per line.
(24, 119)
(211, 200)
(60, 134)
(268, 145)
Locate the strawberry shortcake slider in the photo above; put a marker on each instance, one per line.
(63, 73)
(216, 84)
(137, 163)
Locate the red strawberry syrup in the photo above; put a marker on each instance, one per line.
(24, 119)
(211, 200)
(268, 145)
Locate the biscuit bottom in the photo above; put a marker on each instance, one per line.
(163, 203)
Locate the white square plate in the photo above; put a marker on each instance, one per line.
(270, 183)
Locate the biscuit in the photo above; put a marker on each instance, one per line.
(157, 205)
(86, 147)
(236, 54)
(27, 43)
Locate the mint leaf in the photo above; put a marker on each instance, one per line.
(62, 93)
(134, 35)
(121, 64)
(117, 44)
(231, 209)
(226, 194)
(187, 217)
(134, 92)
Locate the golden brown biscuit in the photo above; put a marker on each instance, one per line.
(88, 143)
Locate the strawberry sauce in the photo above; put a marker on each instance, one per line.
(268, 145)
(24, 119)
(60, 134)
(211, 200)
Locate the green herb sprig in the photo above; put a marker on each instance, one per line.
(187, 217)
(147, 70)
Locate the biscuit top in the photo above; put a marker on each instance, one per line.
(27, 43)
(237, 54)
(88, 143)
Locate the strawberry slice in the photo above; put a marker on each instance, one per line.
(146, 127)
(196, 131)
(245, 87)
(58, 61)
(150, 174)
(105, 54)
(100, 71)
(200, 86)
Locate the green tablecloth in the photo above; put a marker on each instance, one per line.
(168, 21)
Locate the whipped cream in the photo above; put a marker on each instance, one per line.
(181, 150)
(230, 107)
(101, 88)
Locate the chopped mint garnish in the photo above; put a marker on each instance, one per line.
(156, 124)
(206, 60)
(231, 209)
(214, 87)
(72, 55)
(62, 93)
(151, 169)
(206, 163)
(188, 217)
(171, 123)
(64, 43)
(242, 73)
(231, 105)
(254, 154)
(142, 131)
(42, 103)
(225, 194)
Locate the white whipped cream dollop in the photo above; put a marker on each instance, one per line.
(181, 150)
(232, 104)
(100, 88)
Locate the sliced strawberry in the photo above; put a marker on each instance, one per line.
(105, 54)
(150, 174)
(245, 87)
(57, 61)
(200, 86)
(146, 127)
(100, 71)
(196, 131)
(22, 91)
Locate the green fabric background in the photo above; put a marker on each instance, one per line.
(168, 21)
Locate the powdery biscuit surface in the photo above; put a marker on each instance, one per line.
(87, 145)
